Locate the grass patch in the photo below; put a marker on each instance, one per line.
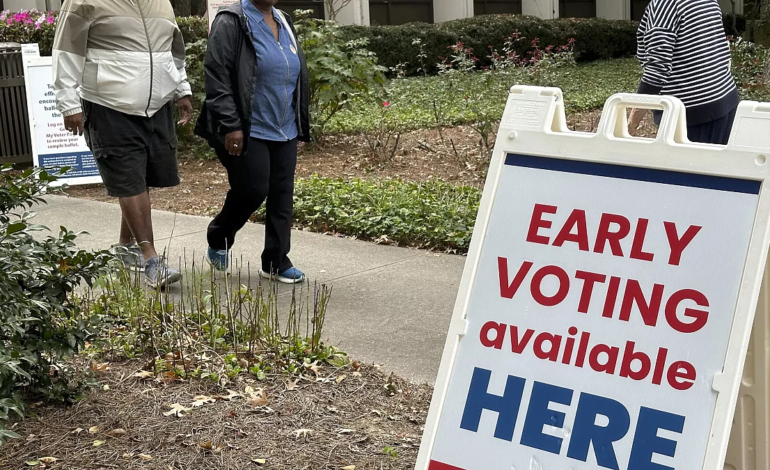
(586, 87)
(434, 214)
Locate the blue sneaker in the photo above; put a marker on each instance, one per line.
(218, 259)
(290, 276)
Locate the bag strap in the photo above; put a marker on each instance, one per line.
(288, 28)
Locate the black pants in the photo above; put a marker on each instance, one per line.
(266, 170)
(712, 132)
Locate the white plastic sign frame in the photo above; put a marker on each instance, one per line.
(54, 125)
(534, 124)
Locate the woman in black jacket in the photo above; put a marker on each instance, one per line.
(256, 111)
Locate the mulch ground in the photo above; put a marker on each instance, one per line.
(352, 419)
(422, 155)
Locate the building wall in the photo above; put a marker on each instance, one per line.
(447, 10)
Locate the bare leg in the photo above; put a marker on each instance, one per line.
(126, 237)
(138, 216)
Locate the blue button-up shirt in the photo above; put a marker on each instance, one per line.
(273, 115)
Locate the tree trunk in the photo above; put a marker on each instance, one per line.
(182, 7)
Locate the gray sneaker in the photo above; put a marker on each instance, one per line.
(158, 274)
(130, 255)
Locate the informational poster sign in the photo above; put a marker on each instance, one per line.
(53, 146)
(605, 311)
(213, 7)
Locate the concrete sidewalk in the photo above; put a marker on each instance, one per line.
(389, 305)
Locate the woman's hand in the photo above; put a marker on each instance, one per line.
(234, 143)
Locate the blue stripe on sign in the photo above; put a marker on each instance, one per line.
(718, 183)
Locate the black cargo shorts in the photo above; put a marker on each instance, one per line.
(133, 153)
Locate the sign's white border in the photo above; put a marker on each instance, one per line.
(32, 62)
(534, 123)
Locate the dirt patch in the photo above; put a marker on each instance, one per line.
(455, 155)
(340, 419)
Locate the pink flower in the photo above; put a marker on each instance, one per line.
(386, 103)
(50, 20)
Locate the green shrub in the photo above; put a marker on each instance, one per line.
(40, 321)
(432, 214)
(749, 65)
(594, 38)
(340, 71)
(193, 28)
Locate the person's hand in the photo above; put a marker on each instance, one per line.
(185, 111)
(636, 118)
(234, 142)
(74, 123)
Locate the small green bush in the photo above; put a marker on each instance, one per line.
(433, 214)
(40, 321)
(595, 38)
(339, 70)
(193, 28)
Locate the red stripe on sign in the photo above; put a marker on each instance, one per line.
(442, 466)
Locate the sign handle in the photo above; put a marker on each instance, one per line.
(673, 126)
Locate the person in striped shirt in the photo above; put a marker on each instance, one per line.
(684, 52)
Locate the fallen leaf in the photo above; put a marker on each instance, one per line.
(32, 463)
(302, 432)
(356, 374)
(332, 409)
(202, 400)
(210, 447)
(98, 443)
(291, 384)
(93, 430)
(167, 376)
(128, 455)
(259, 461)
(341, 378)
(145, 456)
(355, 365)
(100, 367)
(248, 390)
(232, 395)
(117, 432)
(106, 387)
(78, 431)
(49, 460)
(345, 431)
(349, 467)
(176, 410)
(257, 398)
(145, 374)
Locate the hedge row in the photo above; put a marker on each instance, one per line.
(594, 38)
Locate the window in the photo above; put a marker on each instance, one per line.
(494, 7)
(577, 8)
(393, 12)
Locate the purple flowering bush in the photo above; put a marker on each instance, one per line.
(30, 26)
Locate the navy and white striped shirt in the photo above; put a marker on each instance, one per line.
(684, 51)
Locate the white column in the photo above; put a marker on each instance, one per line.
(546, 9)
(613, 9)
(447, 10)
(355, 12)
